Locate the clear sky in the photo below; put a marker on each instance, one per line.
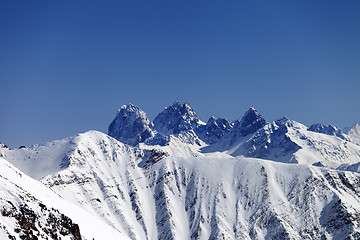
(67, 66)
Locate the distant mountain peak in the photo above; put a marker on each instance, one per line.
(214, 129)
(131, 125)
(282, 120)
(221, 123)
(327, 129)
(176, 118)
(180, 104)
(212, 119)
(251, 114)
(184, 108)
(129, 107)
(250, 122)
(354, 129)
(354, 133)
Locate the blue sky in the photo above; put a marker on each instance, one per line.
(67, 66)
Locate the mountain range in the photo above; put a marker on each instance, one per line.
(177, 177)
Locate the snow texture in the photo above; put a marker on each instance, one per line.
(30, 210)
(179, 178)
(149, 194)
(354, 133)
(328, 129)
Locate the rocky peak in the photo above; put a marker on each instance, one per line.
(176, 118)
(250, 122)
(220, 123)
(327, 129)
(131, 125)
(282, 121)
(215, 128)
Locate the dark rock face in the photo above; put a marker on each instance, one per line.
(131, 125)
(250, 122)
(340, 220)
(3, 145)
(29, 225)
(271, 144)
(152, 156)
(214, 129)
(328, 130)
(176, 118)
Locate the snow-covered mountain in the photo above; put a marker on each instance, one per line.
(179, 178)
(176, 118)
(178, 131)
(328, 129)
(289, 141)
(30, 210)
(354, 133)
(131, 125)
(250, 123)
(148, 194)
(214, 129)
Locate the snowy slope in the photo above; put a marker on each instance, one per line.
(354, 133)
(180, 178)
(42, 160)
(328, 130)
(148, 194)
(289, 141)
(29, 210)
(213, 198)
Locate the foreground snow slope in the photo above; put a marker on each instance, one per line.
(147, 194)
(29, 210)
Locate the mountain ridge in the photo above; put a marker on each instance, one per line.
(149, 194)
(283, 140)
(186, 179)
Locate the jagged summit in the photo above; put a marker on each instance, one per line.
(129, 107)
(328, 130)
(131, 125)
(282, 120)
(284, 140)
(176, 118)
(220, 123)
(215, 129)
(250, 122)
(197, 181)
